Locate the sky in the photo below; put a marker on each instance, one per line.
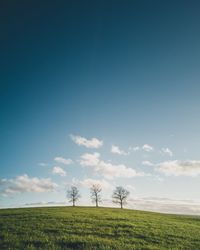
(100, 92)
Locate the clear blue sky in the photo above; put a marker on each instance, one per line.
(124, 72)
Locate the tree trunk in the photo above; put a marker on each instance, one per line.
(121, 204)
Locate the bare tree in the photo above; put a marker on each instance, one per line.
(73, 195)
(120, 195)
(95, 193)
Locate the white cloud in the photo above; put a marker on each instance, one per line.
(62, 160)
(108, 170)
(117, 150)
(58, 170)
(147, 163)
(24, 183)
(90, 160)
(178, 168)
(91, 143)
(147, 148)
(89, 182)
(136, 148)
(167, 151)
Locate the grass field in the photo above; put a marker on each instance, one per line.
(96, 228)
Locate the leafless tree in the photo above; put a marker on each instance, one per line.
(120, 196)
(73, 195)
(95, 191)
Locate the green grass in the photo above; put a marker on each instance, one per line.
(96, 228)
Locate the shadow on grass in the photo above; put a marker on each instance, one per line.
(72, 245)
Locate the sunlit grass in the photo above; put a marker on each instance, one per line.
(96, 228)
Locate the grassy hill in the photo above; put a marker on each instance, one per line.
(96, 228)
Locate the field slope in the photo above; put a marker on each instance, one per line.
(96, 228)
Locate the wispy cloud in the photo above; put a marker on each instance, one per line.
(88, 143)
(147, 148)
(156, 204)
(130, 188)
(136, 148)
(62, 160)
(147, 163)
(107, 169)
(116, 150)
(88, 182)
(167, 151)
(44, 203)
(24, 183)
(43, 164)
(178, 168)
(58, 170)
(165, 205)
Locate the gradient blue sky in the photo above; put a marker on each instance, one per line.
(124, 72)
